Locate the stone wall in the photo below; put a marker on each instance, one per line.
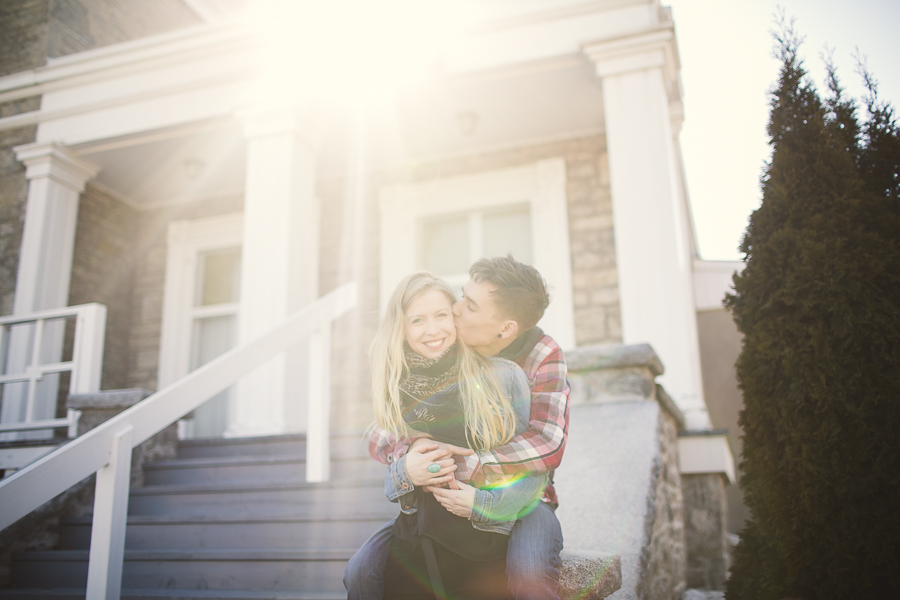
(594, 277)
(705, 523)
(23, 34)
(664, 558)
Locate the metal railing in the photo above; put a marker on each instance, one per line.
(106, 449)
(27, 335)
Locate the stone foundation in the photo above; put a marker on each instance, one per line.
(706, 521)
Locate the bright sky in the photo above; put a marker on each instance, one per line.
(727, 70)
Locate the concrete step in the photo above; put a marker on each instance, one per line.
(274, 499)
(197, 533)
(137, 594)
(256, 570)
(343, 445)
(255, 470)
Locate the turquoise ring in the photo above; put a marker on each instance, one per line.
(434, 468)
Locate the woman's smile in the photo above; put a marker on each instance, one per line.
(429, 328)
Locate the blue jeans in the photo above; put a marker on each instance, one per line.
(532, 559)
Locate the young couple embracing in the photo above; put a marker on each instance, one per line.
(471, 406)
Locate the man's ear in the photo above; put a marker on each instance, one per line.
(509, 330)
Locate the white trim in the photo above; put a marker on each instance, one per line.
(541, 184)
(699, 454)
(187, 239)
(210, 11)
(656, 48)
(712, 280)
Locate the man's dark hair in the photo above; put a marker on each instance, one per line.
(521, 293)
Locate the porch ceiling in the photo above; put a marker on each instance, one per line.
(462, 115)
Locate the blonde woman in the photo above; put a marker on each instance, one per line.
(427, 383)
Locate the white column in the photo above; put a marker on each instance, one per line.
(280, 270)
(56, 178)
(654, 247)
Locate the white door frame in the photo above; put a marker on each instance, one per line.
(187, 239)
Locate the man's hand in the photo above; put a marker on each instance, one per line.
(423, 455)
(448, 448)
(458, 499)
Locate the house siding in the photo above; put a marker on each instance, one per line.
(150, 247)
(102, 272)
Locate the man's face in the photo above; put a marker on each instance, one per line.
(477, 318)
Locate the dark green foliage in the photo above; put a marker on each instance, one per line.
(819, 306)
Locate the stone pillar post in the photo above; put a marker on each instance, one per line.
(280, 268)
(654, 239)
(56, 178)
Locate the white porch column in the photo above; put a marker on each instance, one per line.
(654, 245)
(280, 269)
(56, 179)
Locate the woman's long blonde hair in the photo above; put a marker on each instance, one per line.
(489, 417)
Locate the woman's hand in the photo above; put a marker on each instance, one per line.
(422, 455)
(459, 499)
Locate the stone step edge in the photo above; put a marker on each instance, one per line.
(585, 575)
(242, 461)
(175, 594)
(182, 555)
(239, 518)
(212, 488)
(263, 439)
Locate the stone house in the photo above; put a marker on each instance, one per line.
(204, 169)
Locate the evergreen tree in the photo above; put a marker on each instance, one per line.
(818, 304)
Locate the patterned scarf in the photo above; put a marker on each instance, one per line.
(425, 376)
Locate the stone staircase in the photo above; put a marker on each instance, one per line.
(234, 519)
(228, 519)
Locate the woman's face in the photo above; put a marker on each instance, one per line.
(429, 324)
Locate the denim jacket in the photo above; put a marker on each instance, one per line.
(497, 505)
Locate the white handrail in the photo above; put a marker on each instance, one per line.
(86, 364)
(54, 473)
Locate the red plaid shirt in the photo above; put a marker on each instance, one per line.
(537, 450)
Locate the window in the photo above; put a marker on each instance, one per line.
(443, 226)
(449, 245)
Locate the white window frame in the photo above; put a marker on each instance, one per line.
(542, 185)
(187, 240)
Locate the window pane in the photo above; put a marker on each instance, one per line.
(221, 272)
(212, 337)
(445, 246)
(507, 232)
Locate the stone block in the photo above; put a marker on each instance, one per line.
(614, 356)
(99, 407)
(587, 575)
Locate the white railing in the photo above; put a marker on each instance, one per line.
(27, 334)
(106, 449)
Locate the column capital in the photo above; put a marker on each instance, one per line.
(654, 49)
(278, 118)
(58, 162)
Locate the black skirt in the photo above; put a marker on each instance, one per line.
(471, 563)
